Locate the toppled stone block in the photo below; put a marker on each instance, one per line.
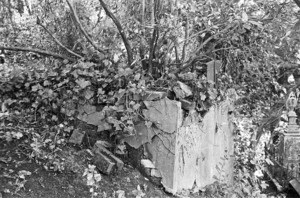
(77, 137)
(104, 163)
(99, 149)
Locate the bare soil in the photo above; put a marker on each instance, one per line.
(50, 184)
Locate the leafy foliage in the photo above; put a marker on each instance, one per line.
(115, 50)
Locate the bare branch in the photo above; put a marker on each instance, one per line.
(121, 31)
(38, 51)
(176, 54)
(194, 35)
(154, 38)
(152, 48)
(57, 41)
(143, 13)
(142, 46)
(215, 35)
(185, 39)
(82, 29)
(189, 63)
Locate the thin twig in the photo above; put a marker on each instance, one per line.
(57, 41)
(185, 39)
(154, 38)
(194, 35)
(201, 47)
(121, 31)
(189, 63)
(38, 51)
(82, 29)
(176, 54)
(214, 36)
(225, 48)
(142, 47)
(152, 48)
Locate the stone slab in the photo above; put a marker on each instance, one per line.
(104, 163)
(99, 149)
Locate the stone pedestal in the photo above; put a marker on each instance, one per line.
(291, 157)
(291, 154)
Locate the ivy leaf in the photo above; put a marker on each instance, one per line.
(54, 118)
(104, 126)
(212, 94)
(136, 106)
(264, 185)
(202, 96)
(83, 83)
(100, 91)
(116, 57)
(127, 72)
(137, 76)
(89, 94)
(148, 124)
(17, 135)
(36, 87)
(89, 109)
(52, 74)
(46, 83)
(244, 17)
(70, 112)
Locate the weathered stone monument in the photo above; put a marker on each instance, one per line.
(291, 155)
(181, 147)
(188, 151)
(285, 153)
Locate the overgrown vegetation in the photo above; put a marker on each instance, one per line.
(62, 54)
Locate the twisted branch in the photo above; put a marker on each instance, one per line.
(82, 29)
(38, 51)
(57, 41)
(121, 31)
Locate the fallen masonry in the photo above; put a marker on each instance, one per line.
(174, 144)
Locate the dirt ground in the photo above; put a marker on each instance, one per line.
(21, 176)
(26, 177)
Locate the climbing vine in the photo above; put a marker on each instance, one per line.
(89, 60)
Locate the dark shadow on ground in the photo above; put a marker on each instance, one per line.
(50, 184)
